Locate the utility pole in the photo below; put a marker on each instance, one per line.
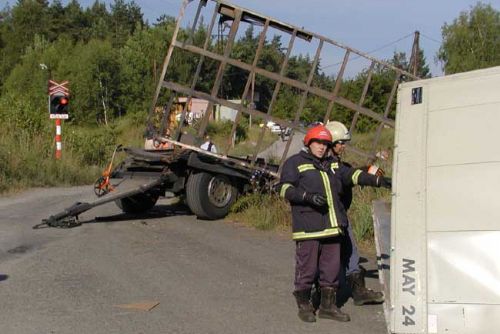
(414, 61)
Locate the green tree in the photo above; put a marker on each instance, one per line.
(472, 40)
(99, 19)
(125, 18)
(140, 64)
(93, 72)
(19, 27)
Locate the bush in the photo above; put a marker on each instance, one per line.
(91, 146)
(262, 211)
(223, 130)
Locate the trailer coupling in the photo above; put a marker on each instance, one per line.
(67, 218)
(127, 187)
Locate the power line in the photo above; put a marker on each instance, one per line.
(373, 51)
(432, 39)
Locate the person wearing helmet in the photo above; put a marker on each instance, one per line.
(350, 256)
(308, 181)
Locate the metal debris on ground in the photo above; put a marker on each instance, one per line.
(140, 306)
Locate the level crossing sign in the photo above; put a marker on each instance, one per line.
(58, 100)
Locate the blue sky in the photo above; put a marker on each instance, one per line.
(363, 24)
(366, 25)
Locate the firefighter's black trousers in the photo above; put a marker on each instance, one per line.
(317, 256)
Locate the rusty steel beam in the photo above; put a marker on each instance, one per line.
(201, 95)
(363, 96)
(237, 15)
(218, 156)
(202, 3)
(167, 58)
(310, 35)
(227, 9)
(197, 73)
(336, 89)
(166, 115)
(302, 102)
(291, 82)
(220, 71)
(250, 80)
(277, 87)
(386, 112)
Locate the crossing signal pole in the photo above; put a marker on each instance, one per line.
(58, 109)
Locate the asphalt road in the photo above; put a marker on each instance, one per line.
(206, 276)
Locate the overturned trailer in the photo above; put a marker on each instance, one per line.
(211, 182)
(439, 239)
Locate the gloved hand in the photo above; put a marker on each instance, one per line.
(315, 199)
(375, 170)
(384, 182)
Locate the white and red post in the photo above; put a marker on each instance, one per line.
(58, 106)
(58, 139)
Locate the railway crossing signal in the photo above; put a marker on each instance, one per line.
(58, 100)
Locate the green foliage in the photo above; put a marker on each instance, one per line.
(94, 82)
(27, 159)
(223, 130)
(113, 60)
(92, 146)
(140, 65)
(471, 41)
(262, 211)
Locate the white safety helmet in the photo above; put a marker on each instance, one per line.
(339, 131)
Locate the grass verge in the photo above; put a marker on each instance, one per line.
(27, 159)
(269, 212)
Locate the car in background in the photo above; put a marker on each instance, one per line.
(274, 127)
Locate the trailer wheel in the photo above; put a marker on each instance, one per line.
(210, 196)
(137, 203)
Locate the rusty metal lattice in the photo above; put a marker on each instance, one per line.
(226, 12)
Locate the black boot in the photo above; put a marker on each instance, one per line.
(306, 311)
(328, 309)
(316, 296)
(360, 293)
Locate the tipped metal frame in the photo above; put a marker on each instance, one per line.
(363, 96)
(302, 101)
(277, 88)
(197, 73)
(167, 59)
(250, 81)
(290, 82)
(229, 12)
(220, 71)
(386, 113)
(336, 89)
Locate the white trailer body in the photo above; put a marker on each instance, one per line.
(445, 215)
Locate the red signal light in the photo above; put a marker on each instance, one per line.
(63, 101)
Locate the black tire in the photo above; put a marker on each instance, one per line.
(137, 203)
(210, 196)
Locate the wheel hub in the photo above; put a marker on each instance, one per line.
(219, 192)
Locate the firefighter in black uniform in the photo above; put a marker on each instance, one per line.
(309, 182)
(355, 274)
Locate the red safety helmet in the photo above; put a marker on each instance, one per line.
(317, 133)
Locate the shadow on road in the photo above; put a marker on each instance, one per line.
(3, 277)
(159, 211)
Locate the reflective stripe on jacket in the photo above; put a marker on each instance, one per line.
(303, 173)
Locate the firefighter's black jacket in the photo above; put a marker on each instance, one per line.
(303, 173)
